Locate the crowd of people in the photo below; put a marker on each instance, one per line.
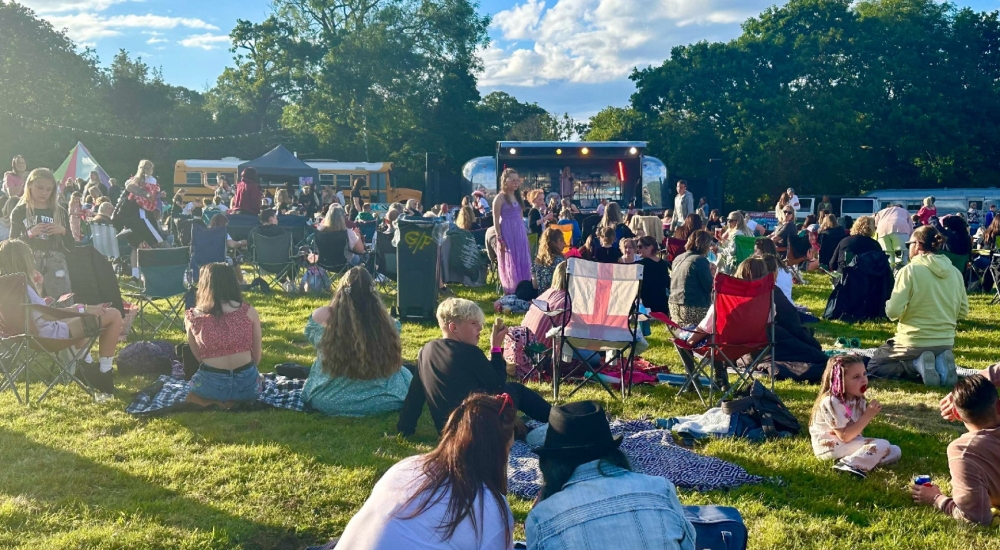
(455, 495)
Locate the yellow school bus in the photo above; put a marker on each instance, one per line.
(192, 175)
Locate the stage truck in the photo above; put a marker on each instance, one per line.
(593, 170)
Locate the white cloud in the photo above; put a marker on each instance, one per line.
(597, 41)
(155, 40)
(207, 41)
(89, 26)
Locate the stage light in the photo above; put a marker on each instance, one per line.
(633, 151)
(621, 171)
(585, 151)
(513, 151)
(558, 151)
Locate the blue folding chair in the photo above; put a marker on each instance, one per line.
(207, 246)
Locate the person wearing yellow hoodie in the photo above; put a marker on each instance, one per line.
(927, 300)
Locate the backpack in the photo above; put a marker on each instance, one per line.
(154, 357)
(315, 281)
(762, 409)
(717, 527)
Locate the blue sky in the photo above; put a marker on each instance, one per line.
(567, 55)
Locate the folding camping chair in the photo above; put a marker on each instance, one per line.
(961, 263)
(330, 246)
(742, 325)
(23, 352)
(604, 305)
(567, 233)
(744, 247)
(240, 225)
(298, 226)
(273, 258)
(105, 240)
(207, 246)
(994, 270)
(368, 230)
(385, 263)
(163, 271)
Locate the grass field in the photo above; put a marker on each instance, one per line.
(76, 474)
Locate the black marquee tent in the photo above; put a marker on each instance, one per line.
(279, 164)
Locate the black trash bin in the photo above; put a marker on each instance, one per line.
(417, 267)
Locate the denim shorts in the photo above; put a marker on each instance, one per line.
(241, 384)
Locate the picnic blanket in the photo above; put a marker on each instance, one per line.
(651, 451)
(168, 395)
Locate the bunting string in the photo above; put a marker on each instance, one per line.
(124, 136)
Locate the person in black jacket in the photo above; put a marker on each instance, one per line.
(452, 367)
(830, 235)
(858, 243)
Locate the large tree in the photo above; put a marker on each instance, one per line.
(387, 79)
(830, 97)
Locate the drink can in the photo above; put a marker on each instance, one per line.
(922, 480)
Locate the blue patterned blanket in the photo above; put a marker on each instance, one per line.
(651, 451)
(168, 394)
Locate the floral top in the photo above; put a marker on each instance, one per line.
(346, 397)
(153, 189)
(542, 274)
(833, 414)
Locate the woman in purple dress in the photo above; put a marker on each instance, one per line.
(513, 252)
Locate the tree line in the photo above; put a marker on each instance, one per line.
(827, 96)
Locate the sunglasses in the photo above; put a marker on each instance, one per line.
(787, 212)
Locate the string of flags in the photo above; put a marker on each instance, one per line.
(111, 134)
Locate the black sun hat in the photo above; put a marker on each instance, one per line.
(578, 430)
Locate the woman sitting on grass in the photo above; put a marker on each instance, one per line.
(841, 413)
(357, 371)
(927, 300)
(225, 336)
(451, 497)
(550, 255)
(16, 258)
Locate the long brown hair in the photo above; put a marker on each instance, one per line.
(217, 285)
(360, 340)
(470, 459)
(691, 224)
(550, 246)
(16, 257)
(612, 216)
(28, 201)
(991, 233)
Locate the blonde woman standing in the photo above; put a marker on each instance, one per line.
(513, 250)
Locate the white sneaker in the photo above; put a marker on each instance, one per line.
(944, 364)
(924, 365)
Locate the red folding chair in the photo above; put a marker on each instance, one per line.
(742, 335)
(675, 247)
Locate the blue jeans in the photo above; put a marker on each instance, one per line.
(241, 384)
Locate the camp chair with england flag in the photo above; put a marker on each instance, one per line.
(741, 336)
(604, 305)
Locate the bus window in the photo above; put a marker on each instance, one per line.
(378, 187)
(326, 179)
(343, 181)
(193, 178)
(212, 177)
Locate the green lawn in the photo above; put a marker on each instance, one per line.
(82, 475)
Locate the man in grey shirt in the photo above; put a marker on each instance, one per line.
(683, 204)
